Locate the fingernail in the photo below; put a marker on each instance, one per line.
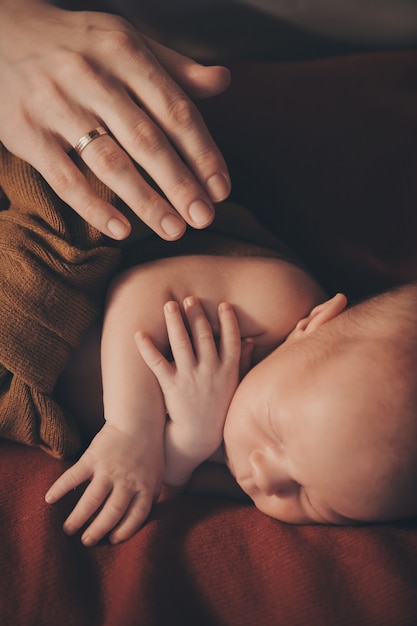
(117, 228)
(200, 213)
(190, 301)
(218, 187)
(87, 540)
(68, 529)
(172, 225)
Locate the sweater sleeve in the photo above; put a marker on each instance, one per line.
(54, 269)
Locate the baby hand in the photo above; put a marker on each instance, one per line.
(125, 477)
(197, 386)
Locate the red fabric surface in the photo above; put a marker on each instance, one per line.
(334, 145)
(199, 560)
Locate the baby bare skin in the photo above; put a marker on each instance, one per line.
(223, 300)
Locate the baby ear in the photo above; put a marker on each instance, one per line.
(322, 313)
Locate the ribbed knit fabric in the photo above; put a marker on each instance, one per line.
(54, 269)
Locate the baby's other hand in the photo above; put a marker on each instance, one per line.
(125, 476)
(197, 386)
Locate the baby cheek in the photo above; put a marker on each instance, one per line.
(234, 445)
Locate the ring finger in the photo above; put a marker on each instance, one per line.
(110, 163)
(148, 146)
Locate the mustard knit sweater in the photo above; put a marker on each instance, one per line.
(54, 269)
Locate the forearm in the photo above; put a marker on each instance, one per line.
(183, 455)
(133, 400)
(125, 460)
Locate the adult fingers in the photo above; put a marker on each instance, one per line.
(141, 139)
(72, 187)
(112, 164)
(197, 80)
(122, 85)
(176, 115)
(143, 142)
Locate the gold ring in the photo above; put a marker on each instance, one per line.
(89, 137)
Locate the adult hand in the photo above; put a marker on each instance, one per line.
(63, 74)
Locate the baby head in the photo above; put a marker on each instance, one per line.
(324, 430)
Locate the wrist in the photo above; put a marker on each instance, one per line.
(194, 442)
(135, 430)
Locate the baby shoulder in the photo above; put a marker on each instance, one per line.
(275, 295)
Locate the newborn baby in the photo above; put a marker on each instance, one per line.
(321, 429)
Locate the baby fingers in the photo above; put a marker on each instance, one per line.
(201, 331)
(71, 479)
(110, 507)
(230, 339)
(89, 503)
(137, 513)
(153, 358)
(110, 504)
(196, 345)
(124, 507)
(180, 343)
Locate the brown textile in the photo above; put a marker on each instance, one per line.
(54, 269)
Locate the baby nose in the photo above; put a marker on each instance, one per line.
(270, 475)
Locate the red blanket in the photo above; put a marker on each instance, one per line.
(199, 560)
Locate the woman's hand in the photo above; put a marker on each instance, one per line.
(197, 386)
(63, 74)
(124, 474)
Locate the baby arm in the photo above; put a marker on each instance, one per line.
(124, 462)
(197, 386)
